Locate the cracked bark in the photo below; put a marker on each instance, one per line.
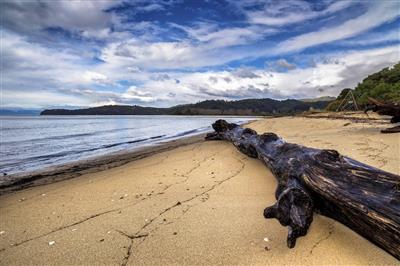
(364, 198)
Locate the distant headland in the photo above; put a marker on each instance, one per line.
(264, 106)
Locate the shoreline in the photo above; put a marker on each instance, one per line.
(20, 181)
(194, 204)
(16, 182)
(53, 174)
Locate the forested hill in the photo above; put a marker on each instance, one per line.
(383, 85)
(210, 107)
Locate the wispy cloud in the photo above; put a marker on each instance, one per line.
(87, 53)
(376, 15)
(281, 13)
(392, 35)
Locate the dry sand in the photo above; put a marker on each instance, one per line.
(197, 204)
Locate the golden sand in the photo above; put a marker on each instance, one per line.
(197, 204)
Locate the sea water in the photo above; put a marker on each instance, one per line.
(36, 142)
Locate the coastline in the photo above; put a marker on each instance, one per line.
(199, 203)
(91, 165)
(15, 182)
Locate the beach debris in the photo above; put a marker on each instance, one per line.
(175, 233)
(178, 203)
(2, 232)
(108, 232)
(383, 108)
(4, 174)
(323, 181)
(51, 243)
(22, 199)
(164, 220)
(267, 248)
(345, 125)
(122, 197)
(74, 229)
(44, 194)
(101, 240)
(266, 239)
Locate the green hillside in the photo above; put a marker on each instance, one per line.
(210, 107)
(383, 85)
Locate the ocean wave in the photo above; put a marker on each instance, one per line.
(46, 157)
(69, 136)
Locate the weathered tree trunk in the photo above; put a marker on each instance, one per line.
(362, 197)
(386, 109)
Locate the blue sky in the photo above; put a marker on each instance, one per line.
(166, 52)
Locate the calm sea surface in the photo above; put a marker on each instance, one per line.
(35, 142)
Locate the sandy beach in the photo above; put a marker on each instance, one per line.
(191, 204)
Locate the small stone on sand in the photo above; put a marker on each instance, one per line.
(52, 243)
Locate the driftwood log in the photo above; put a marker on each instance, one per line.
(364, 198)
(386, 109)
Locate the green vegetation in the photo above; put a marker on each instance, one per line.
(210, 107)
(383, 85)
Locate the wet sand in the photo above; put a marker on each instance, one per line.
(200, 203)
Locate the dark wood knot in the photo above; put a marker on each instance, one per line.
(267, 137)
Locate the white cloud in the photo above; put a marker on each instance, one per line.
(95, 77)
(283, 63)
(210, 35)
(168, 55)
(327, 77)
(280, 13)
(377, 14)
(134, 93)
(25, 16)
(166, 71)
(39, 99)
(373, 38)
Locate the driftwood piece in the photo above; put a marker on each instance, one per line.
(386, 109)
(364, 198)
